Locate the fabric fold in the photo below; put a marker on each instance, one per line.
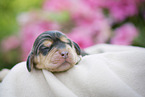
(58, 89)
(109, 71)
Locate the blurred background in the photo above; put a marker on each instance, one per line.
(87, 22)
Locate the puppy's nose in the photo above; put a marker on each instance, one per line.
(64, 54)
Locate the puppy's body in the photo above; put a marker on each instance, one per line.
(53, 51)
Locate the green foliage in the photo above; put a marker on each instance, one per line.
(9, 59)
(9, 9)
(139, 22)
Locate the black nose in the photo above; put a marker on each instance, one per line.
(64, 54)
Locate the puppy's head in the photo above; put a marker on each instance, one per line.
(53, 51)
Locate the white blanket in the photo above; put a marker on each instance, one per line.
(111, 71)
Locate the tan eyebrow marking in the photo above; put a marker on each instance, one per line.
(47, 43)
(64, 39)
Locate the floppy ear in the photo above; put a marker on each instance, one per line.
(30, 62)
(77, 48)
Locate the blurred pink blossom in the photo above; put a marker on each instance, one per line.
(91, 28)
(96, 3)
(118, 9)
(10, 43)
(56, 5)
(121, 9)
(91, 33)
(81, 37)
(125, 34)
(81, 10)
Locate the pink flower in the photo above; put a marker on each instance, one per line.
(96, 3)
(81, 37)
(92, 33)
(56, 5)
(121, 9)
(125, 34)
(10, 43)
(91, 30)
(118, 9)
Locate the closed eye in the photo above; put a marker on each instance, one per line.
(44, 50)
(43, 47)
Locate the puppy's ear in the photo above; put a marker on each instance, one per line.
(30, 62)
(77, 48)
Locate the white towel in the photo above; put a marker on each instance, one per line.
(110, 71)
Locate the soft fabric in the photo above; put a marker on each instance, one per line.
(3, 73)
(110, 71)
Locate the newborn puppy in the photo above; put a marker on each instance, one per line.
(53, 51)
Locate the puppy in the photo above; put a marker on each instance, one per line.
(53, 51)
